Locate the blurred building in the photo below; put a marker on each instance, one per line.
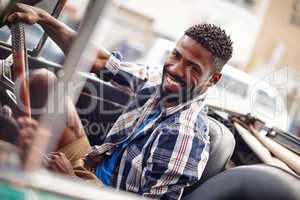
(276, 52)
(278, 41)
(169, 18)
(265, 33)
(126, 30)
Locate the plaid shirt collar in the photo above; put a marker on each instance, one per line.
(173, 109)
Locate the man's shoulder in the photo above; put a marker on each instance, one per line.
(193, 118)
(194, 121)
(194, 113)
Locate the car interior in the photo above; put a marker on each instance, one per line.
(219, 180)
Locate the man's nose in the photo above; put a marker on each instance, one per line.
(177, 69)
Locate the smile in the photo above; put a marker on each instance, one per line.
(172, 80)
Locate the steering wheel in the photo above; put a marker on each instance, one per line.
(20, 70)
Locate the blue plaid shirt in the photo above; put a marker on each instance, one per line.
(169, 154)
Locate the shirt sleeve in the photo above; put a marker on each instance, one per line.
(128, 76)
(177, 160)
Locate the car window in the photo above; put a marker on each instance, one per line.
(50, 50)
(234, 86)
(33, 34)
(264, 100)
(4, 33)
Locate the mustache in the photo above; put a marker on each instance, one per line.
(176, 78)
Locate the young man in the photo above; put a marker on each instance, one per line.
(160, 144)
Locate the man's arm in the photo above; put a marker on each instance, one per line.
(60, 33)
(63, 36)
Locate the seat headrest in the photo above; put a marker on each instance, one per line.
(222, 145)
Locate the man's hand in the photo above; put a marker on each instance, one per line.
(28, 127)
(58, 162)
(91, 161)
(101, 59)
(60, 33)
(24, 13)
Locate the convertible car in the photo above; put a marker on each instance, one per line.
(248, 160)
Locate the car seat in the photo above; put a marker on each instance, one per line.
(253, 182)
(222, 145)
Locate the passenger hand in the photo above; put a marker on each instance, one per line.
(91, 161)
(101, 59)
(24, 13)
(28, 127)
(58, 162)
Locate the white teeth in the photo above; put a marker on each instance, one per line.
(172, 81)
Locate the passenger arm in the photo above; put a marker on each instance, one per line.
(63, 36)
(60, 33)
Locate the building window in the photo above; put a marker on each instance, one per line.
(295, 17)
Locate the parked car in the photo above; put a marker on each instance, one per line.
(240, 92)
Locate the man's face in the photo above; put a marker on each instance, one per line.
(188, 70)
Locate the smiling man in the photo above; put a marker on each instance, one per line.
(160, 144)
(195, 63)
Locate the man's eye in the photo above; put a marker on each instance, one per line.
(196, 69)
(175, 54)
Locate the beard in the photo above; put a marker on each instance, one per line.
(184, 94)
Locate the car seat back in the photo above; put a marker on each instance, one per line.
(255, 182)
(222, 145)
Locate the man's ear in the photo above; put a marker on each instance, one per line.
(214, 79)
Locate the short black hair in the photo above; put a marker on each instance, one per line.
(214, 39)
(9, 129)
